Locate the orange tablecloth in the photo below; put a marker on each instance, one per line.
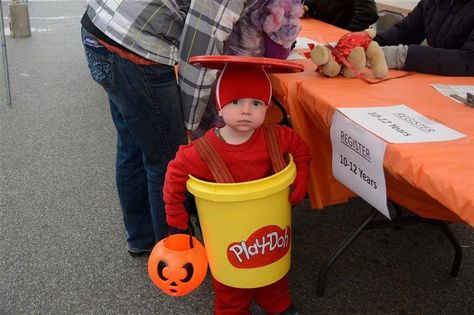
(434, 180)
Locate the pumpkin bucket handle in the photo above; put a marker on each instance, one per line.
(191, 234)
(175, 268)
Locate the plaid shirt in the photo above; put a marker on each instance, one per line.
(153, 29)
(208, 24)
(149, 28)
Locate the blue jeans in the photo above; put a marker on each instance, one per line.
(145, 107)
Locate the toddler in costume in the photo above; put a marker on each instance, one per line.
(243, 92)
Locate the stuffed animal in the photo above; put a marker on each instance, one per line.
(266, 29)
(358, 49)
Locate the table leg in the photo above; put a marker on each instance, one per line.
(340, 250)
(397, 221)
(457, 248)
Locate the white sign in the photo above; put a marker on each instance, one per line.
(357, 161)
(295, 56)
(302, 42)
(400, 124)
(449, 90)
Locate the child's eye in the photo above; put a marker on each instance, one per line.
(257, 103)
(235, 102)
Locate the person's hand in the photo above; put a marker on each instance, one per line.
(305, 11)
(177, 216)
(395, 56)
(297, 192)
(178, 220)
(189, 134)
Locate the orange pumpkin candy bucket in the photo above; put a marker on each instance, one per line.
(178, 264)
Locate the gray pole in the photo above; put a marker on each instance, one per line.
(5, 59)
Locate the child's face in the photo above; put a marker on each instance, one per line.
(244, 114)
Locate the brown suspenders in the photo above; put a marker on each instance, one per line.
(217, 166)
(271, 138)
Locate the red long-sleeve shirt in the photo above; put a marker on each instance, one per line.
(247, 161)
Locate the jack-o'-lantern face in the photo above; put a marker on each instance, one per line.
(175, 267)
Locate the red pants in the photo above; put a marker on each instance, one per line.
(273, 298)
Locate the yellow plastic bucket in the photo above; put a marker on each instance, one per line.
(246, 228)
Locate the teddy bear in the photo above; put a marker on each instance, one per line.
(358, 49)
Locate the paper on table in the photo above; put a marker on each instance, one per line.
(295, 56)
(400, 124)
(302, 42)
(460, 90)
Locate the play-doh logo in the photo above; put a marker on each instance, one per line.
(265, 246)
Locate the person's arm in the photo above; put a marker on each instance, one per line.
(174, 192)
(207, 26)
(410, 30)
(301, 157)
(403, 39)
(452, 62)
(365, 14)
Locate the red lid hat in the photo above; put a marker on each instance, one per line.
(244, 77)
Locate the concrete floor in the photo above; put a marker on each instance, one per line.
(62, 240)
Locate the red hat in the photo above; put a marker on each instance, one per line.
(242, 81)
(244, 77)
